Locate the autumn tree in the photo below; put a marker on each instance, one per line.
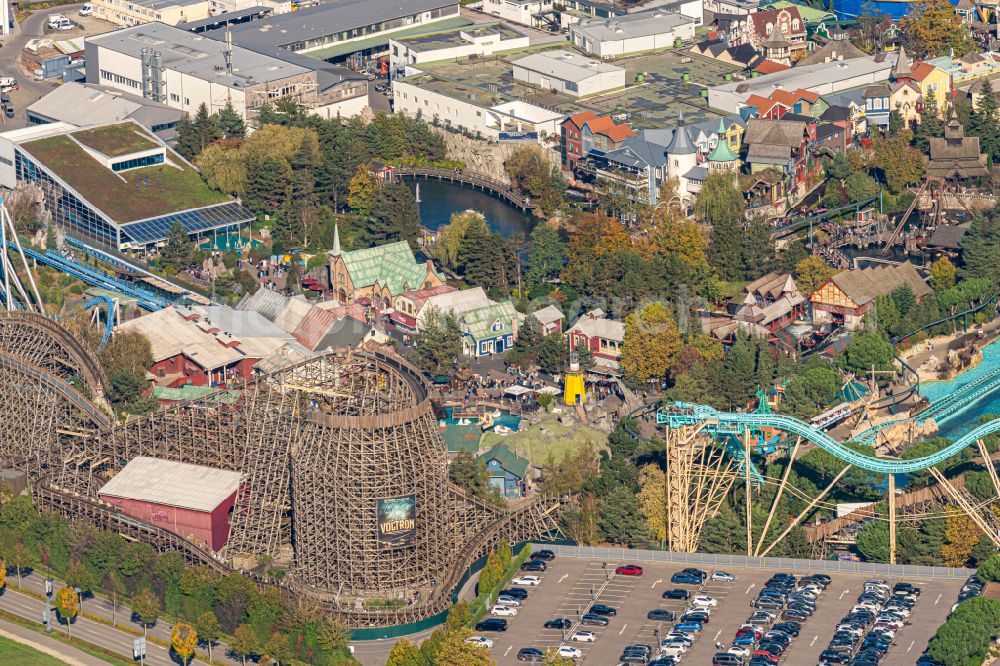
(244, 642)
(651, 343)
(183, 640)
(900, 163)
(20, 558)
(932, 28)
(961, 536)
(812, 273)
(652, 500)
(404, 653)
(451, 235)
(594, 235)
(146, 608)
(942, 274)
(361, 190)
(456, 651)
(68, 605)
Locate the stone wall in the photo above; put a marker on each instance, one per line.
(480, 156)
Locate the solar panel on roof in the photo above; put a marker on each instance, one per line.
(202, 219)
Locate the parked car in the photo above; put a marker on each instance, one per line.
(543, 554)
(504, 600)
(583, 636)
(592, 620)
(559, 623)
(569, 651)
(534, 565)
(86, 10)
(723, 576)
(516, 592)
(705, 601)
(629, 570)
(531, 654)
(492, 624)
(8, 83)
(727, 659)
(503, 611)
(602, 609)
(481, 641)
(527, 580)
(661, 615)
(685, 579)
(65, 24)
(54, 20)
(683, 595)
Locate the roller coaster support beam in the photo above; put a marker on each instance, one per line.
(8, 226)
(746, 473)
(805, 511)
(988, 461)
(965, 506)
(777, 496)
(892, 519)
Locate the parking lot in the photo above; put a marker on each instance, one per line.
(571, 585)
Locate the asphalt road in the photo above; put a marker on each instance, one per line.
(30, 90)
(98, 633)
(570, 584)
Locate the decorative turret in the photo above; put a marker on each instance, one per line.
(902, 72)
(682, 155)
(722, 157)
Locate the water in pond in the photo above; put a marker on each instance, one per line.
(439, 199)
(965, 421)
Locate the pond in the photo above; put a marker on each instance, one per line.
(439, 199)
(965, 421)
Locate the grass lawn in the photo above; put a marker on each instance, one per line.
(12, 652)
(115, 140)
(132, 195)
(549, 437)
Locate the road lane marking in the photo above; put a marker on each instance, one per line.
(564, 576)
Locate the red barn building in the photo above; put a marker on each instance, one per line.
(602, 336)
(192, 501)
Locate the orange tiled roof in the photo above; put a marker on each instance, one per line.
(770, 67)
(604, 125)
(808, 95)
(763, 104)
(922, 71)
(580, 118)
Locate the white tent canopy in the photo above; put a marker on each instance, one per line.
(517, 390)
(550, 390)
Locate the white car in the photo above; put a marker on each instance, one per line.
(55, 19)
(569, 651)
(526, 580)
(504, 600)
(723, 576)
(704, 601)
(583, 636)
(740, 651)
(481, 641)
(503, 611)
(86, 10)
(65, 24)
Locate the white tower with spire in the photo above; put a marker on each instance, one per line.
(682, 156)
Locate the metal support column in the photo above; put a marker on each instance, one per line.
(892, 519)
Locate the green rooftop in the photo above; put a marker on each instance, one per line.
(116, 140)
(479, 323)
(128, 196)
(808, 14)
(509, 460)
(192, 392)
(392, 265)
(460, 438)
(382, 40)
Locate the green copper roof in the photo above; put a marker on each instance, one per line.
(192, 392)
(392, 265)
(479, 323)
(509, 460)
(460, 438)
(722, 152)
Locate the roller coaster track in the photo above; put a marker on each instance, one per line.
(804, 222)
(676, 415)
(59, 386)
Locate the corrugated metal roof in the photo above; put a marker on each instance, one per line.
(296, 309)
(265, 302)
(314, 327)
(170, 483)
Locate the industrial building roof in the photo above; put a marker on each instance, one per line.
(170, 483)
(325, 19)
(85, 104)
(564, 65)
(630, 26)
(197, 55)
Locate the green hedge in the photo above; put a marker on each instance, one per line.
(479, 605)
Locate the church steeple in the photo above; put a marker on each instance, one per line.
(902, 72)
(336, 240)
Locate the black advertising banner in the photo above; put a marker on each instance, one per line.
(396, 521)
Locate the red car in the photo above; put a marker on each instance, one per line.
(629, 570)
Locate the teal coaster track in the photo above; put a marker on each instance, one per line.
(681, 414)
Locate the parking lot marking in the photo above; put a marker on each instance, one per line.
(814, 640)
(509, 648)
(622, 630)
(564, 576)
(752, 585)
(717, 635)
(911, 646)
(937, 600)
(655, 583)
(843, 593)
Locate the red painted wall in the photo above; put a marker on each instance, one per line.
(211, 528)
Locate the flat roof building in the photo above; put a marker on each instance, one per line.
(193, 501)
(631, 33)
(483, 39)
(183, 70)
(568, 73)
(322, 30)
(115, 185)
(84, 104)
(822, 78)
(137, 12)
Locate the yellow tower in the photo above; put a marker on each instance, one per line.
(574, 389)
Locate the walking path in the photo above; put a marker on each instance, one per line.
(47, 645)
